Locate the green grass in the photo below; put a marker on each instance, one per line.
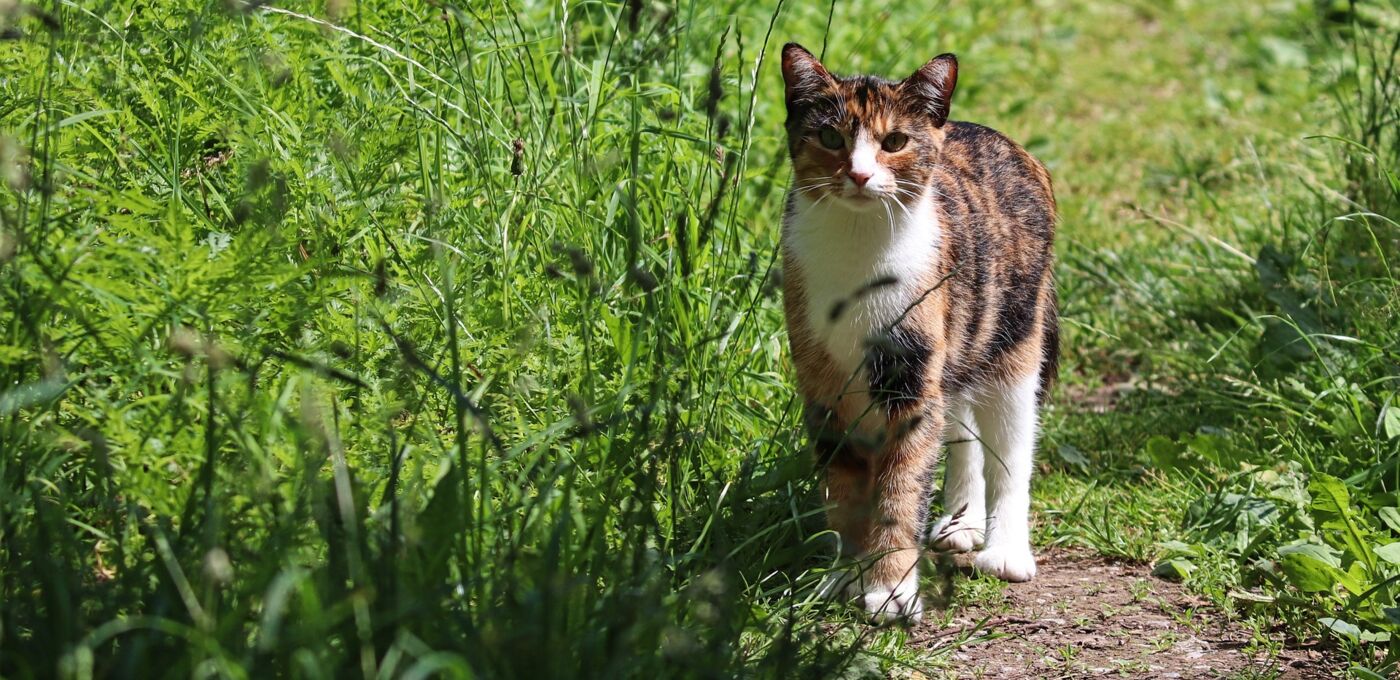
(311, 368)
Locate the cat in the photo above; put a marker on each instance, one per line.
(918, 291)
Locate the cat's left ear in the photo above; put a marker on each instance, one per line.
(931, 87)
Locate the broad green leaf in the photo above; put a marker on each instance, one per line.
(1391, 517)
(1389, 552)
(1183, 548)
(1375, 636)
(1390, 422)
(1175, 569)
(1365, 673)
(1072, 456)
(1355, 579)
(1212, 447)
(1322, 553)
(1341, 628)
(1309, 574)
(620, 332)
(1329, 494)
(1331, 499)
(1165, 453)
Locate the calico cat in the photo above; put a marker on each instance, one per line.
(917, 258)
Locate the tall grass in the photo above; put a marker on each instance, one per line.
(333, 352)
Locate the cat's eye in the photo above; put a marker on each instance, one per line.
(894, 141)
(831, 139)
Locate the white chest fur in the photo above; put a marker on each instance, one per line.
(842, 252)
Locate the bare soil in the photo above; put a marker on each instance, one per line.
(1085, 616)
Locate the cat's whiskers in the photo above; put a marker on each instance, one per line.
(908, 214)
(925, 187)
(910, 186)
(809, 187)
(799, 190)
(911, 195)
(816, 203)
(898, 191)
(889, 214)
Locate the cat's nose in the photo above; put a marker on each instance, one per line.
(860, 178)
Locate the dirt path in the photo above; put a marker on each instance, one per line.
(1085, 616)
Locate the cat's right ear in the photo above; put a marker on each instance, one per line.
(804, 78)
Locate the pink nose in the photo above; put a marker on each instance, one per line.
(860, 178)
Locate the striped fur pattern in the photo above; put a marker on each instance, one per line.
(917, 258)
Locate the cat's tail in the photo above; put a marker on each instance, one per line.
(1050, 349)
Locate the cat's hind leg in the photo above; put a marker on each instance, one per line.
(1007, 421)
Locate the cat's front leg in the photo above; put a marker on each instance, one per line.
(884, 583)
(889, 573)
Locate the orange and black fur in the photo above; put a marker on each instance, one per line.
(917, 258)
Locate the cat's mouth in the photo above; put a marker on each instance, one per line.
(864, 196)
(848, 196)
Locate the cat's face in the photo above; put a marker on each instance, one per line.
(862, 141)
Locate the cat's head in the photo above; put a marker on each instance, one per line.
(863, 140)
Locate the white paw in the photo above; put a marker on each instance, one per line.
(1013, 562)
(900, 604)
(960, 535)
(838, 585)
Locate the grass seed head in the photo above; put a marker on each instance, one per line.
(715, 90)
(337, 10)
(578, 260)
(14, 167)
(184, 341)
(8, 245)
(644, 279)
(217, 566)
(579, 409)
(517, 157)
